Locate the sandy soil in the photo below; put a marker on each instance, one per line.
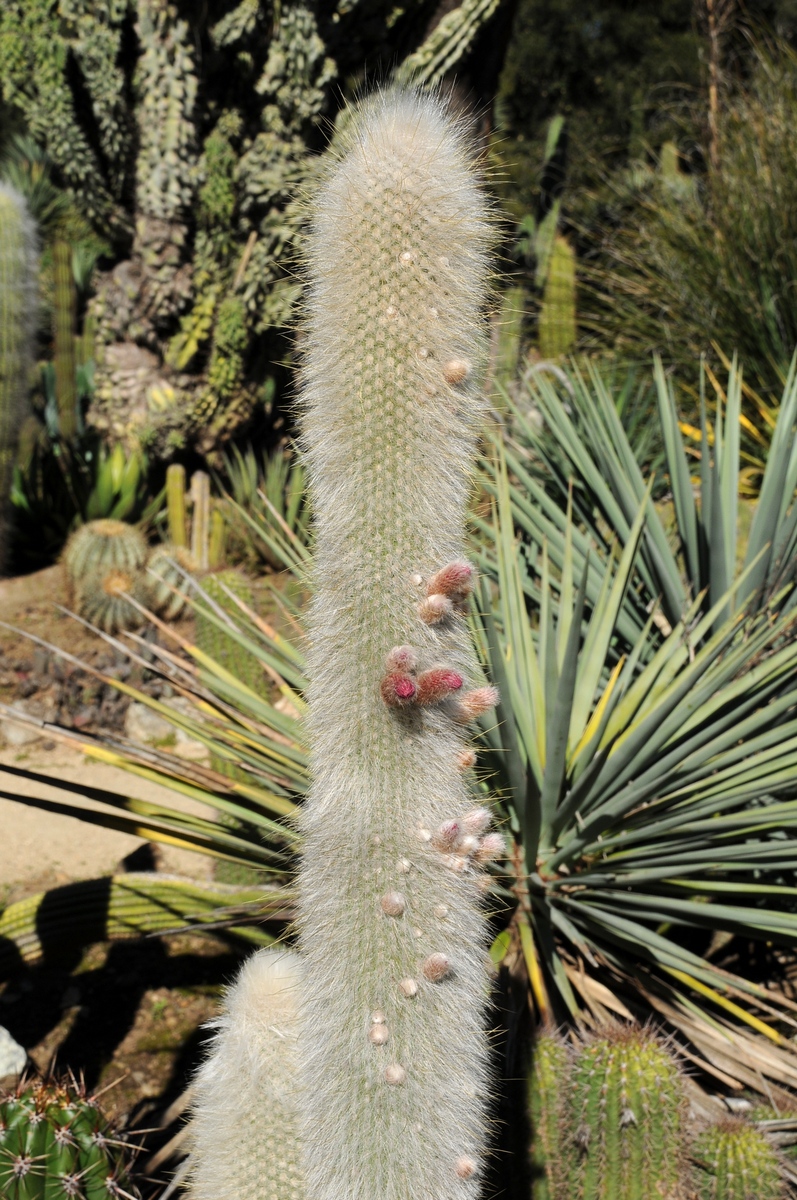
(40, 849)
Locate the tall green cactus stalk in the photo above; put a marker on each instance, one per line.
(200, 520)
(393, 1051)
(245, 1118)
(547, 1094)
(175, 505)
(626, 1104)
(737, 1163)
(17, 331)
(557, 320)
(64, 327)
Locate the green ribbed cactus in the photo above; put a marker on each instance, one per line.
(100, 597)
(210, 636)
(64, 328)
(166, 580)
(736, 1162)
(393, 1048)
(56, 1145)
(556, 328)
(626, 1105)
(245, 1118)
(17, 332)
(103, 545)
(550, 1068)
(175, 505)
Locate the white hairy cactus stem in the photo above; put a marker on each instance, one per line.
(244, 1127)
(394, 347)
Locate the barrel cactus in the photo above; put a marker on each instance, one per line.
(736, 1162)
(626, 1105)
(101, 598)
(55, 1144)
(104, 545)
(245, 1120)
(392, 1047)
(167, 567)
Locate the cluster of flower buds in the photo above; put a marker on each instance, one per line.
(402, 686)
(463, 841)
(447, 592)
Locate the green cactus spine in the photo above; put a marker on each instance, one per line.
(626, 1104)
(245, 1118)
(737, 1163)
(166, 567)
(56, 1145)
(104, 545)
(547, 1092)
(393, 1051)
(557, 320)
(64, 326)
(17, 331)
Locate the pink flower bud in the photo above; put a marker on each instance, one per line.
(393, 904)
(466, 759)
(465, 1167)
(456, 370)
(395, 1074)
(447, 836)
(476, 821)
(397, 689)
(455, 580)
(490, 847)
(435, 608)
(474, 703)
(436, 967)
(401, 659)
(436, 684)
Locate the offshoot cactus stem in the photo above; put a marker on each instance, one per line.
(394, 349)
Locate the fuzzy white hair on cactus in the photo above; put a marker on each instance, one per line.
(394, 348)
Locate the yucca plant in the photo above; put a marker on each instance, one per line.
(266, 506)
(582, 455)
(648, 789)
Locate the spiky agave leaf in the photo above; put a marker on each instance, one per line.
(650, 793)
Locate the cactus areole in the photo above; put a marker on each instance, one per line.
(391, 915)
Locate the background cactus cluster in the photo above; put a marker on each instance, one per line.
(55, 1144)
(609, 1122)
(192, 183)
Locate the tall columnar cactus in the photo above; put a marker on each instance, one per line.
(557, 320)
(17, 331)
(392, 1047)
(64, 328)
(626, 1104)
(547, 1095)
(737, 1163)
(55, 1144)
(245, 1118)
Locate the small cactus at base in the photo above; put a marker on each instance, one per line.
(55, 1144)
(104, 545)
(245, 1119)
(165, 581)
(736, 1162)
(626, 1105)
(547, 1093)
(100, 598)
